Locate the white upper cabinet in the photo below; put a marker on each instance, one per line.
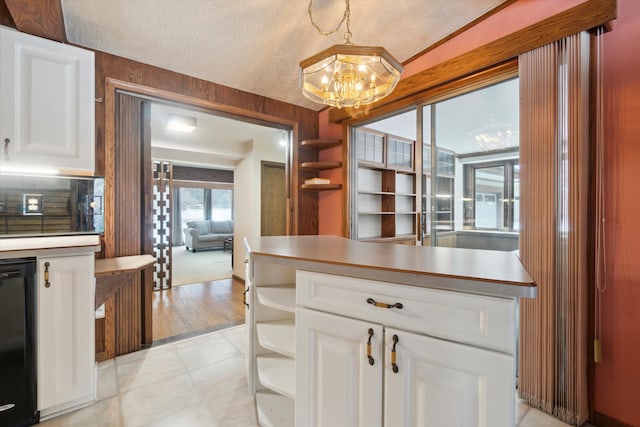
(47, 111)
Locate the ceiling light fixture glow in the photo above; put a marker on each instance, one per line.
(283, 139)
(347, 75)
(181, 123)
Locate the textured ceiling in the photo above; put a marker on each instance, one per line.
(256, 45)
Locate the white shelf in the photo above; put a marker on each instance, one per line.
(274, 410)
(278, 336)
(280, 297)
(278, 373)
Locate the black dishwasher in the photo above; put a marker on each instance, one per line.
(17, 342)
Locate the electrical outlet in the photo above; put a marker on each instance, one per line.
(100, 312)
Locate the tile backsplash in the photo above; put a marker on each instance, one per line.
(50, 205)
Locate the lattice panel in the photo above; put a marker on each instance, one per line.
(162, 205)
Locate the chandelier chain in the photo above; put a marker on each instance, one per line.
(345, 17)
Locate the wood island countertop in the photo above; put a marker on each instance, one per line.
(483, 272)
(122, 264)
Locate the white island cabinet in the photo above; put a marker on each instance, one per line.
(385, 335)
(47, 118)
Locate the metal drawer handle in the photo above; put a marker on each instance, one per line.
(371, 362)
(7, 141)
(394, 366)
(244, 297)
(397, 305)
(47, 284)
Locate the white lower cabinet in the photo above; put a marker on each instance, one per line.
(65, 333)
(413, 378)
(338, 371)
(441, 383)
(364, 353)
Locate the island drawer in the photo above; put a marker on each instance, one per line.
(479, 320)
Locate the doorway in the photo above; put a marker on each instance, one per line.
(273, 199)
(171, 308)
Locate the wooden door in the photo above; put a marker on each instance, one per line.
(273, 199)
(335, 383)
(441, 383)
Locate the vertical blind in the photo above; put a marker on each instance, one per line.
(554, 147)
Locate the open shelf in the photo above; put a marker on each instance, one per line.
(278, 336)
(376, 213)
(321, 187)
(274, 410)
(397, 238)
(321, 144)
(278, 373)
(321, 165)
(280, 297)
(376, 193)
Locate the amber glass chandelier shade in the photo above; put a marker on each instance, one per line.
(349, 75)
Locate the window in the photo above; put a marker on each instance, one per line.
(221, 204)
(370, 146)
(473, 130)
(471, 181)
(492, 195)
(191, 205)
(197, 204)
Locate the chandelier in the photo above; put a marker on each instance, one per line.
(346, 75)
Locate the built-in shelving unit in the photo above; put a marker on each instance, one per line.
(274, 409)
(272, 343)
(386, 188)
(321, 165)
(278, 336)
(280, 297)
(278, 374)
(317, 166)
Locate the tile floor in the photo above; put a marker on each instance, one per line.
(196, 382)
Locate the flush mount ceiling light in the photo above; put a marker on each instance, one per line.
(347, 75)
(181, 123)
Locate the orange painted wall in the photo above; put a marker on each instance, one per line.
(330, 202)
(617, 378)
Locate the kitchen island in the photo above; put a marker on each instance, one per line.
(343, 332)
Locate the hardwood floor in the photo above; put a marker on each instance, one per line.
(189, 310)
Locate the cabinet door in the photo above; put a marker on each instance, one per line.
(441, 383)
(46, 103)
(335, 383)
(66, 347)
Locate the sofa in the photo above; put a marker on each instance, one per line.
(207, 234)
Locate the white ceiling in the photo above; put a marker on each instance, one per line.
(256, 45)
(252, 45)
(216, 141)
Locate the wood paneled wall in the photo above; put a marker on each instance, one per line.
(304, 205)
(186, 173)
(127, 165)
(42, 18)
